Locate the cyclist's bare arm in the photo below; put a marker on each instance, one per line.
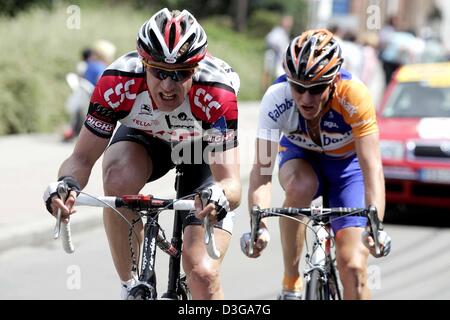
(225, 169)
(226, 189)
(259, 192)
(368, 151)
(88, 149)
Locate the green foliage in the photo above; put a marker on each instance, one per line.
(13, 7)
(264, 8)
(262, 21)
(38, 50)
(200, 8)
(243, 52)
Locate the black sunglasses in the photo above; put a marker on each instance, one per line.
(175, 75)
(313, 90)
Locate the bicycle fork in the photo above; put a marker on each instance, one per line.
(320, 253)
(147, 276)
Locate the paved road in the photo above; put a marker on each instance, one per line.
(34, 267)
(418, 268)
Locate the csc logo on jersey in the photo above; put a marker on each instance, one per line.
(121, 92)
(204, 101)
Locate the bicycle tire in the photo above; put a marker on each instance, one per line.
(141, 292)
(335, 290)
(315, 289)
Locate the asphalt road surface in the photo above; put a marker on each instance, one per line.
(418, 267)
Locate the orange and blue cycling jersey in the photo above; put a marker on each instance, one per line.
(348, 115)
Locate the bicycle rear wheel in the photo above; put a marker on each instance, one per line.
(334, 286)
(315, 288)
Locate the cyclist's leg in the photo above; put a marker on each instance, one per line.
(203, 273)
(300, 183)
(347, 190)
(127, 166)
(352, 258)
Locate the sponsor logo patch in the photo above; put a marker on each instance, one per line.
(146, 109)
(99, 125)
(121, 91)
(280, 109)
(204, 101)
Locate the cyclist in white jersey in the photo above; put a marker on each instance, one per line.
(170, 97)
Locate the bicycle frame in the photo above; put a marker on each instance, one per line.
(148, 275)
(173, 284)
(321, 277)
(145, 288)
(322, 261)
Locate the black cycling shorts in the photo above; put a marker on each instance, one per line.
(194, 176)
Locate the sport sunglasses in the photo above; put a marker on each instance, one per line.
(177, 75)
(313, 90)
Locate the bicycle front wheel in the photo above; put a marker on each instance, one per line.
(315, 288)
(142, 293)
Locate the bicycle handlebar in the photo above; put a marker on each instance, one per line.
(315, 213)
(136, 203)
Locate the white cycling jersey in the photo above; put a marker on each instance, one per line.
(350, 113)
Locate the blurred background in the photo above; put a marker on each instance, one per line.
(43, 40)
(399, 48)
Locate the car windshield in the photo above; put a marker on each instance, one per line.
(418, 100)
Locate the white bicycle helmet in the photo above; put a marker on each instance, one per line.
(172, 37)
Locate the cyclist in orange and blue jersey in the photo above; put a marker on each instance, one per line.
(329, 146)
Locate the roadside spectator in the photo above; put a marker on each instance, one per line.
(89, 70)
(402, 47)
(371, 69)
(352, 54)
(392, 25)
(82, 64)
(385, 35)
(277, 41)
(102, 55)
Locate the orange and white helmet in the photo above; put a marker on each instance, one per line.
(313, 57)
(172, 37)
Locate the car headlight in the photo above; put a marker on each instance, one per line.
(392, 150)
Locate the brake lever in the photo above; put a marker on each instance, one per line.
(255, 219)
(374, 226)
(209, 239)
(62, 192)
